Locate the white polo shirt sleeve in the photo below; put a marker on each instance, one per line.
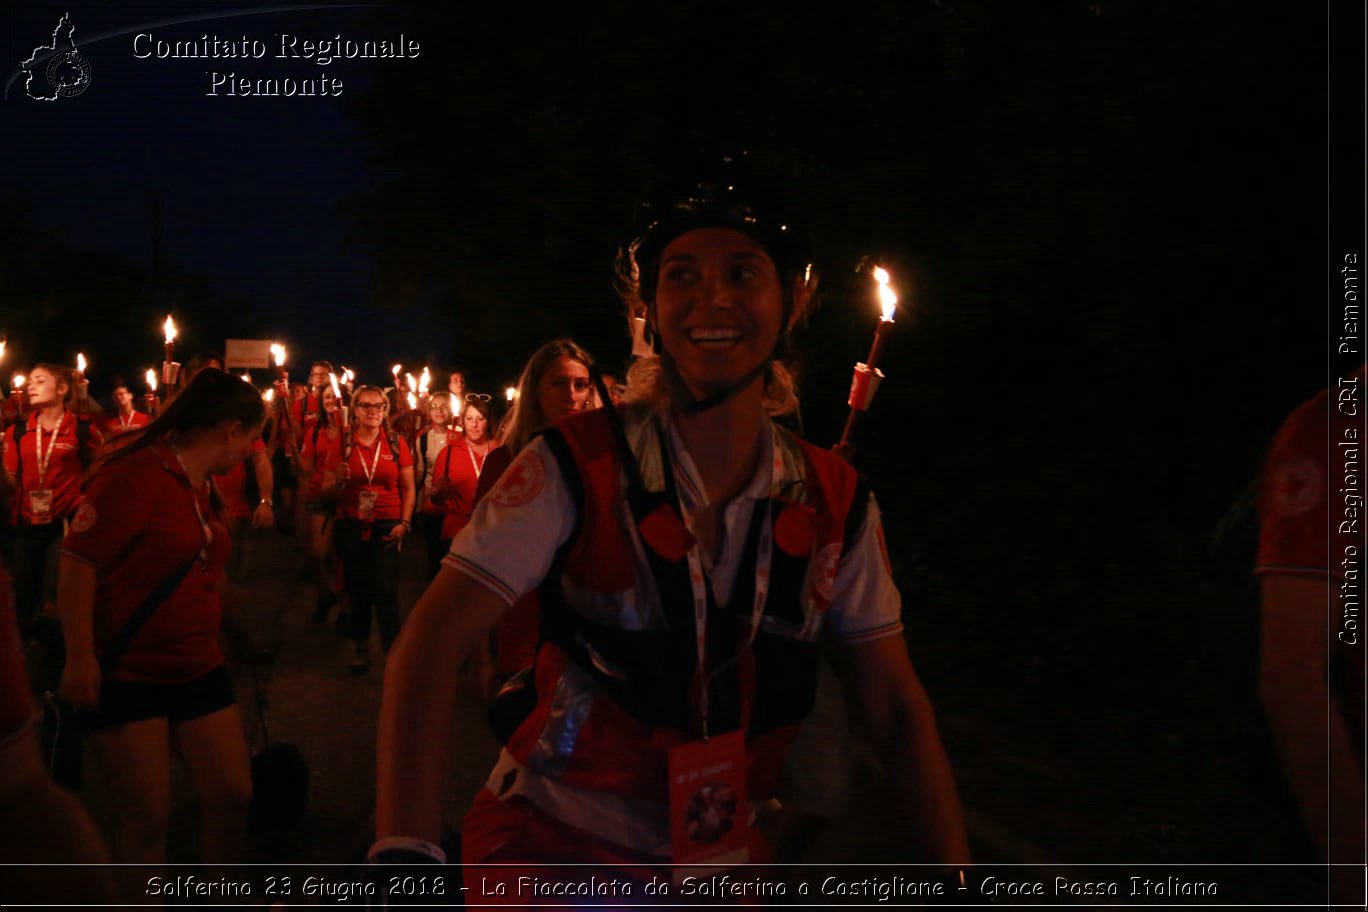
(513, 535)
(865, 605)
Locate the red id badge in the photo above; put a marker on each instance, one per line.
(709, 816)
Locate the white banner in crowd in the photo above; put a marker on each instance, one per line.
(247, 353)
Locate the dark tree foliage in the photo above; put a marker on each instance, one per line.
(55, 297)
(1093, 209)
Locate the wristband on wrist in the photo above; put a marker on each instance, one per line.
(405, 850)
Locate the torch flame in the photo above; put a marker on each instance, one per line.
(412, 398)
(424, 380)
(337, 390)
(18, 381)
(169, 329)
(888, 298)
(151, 377)
(269, 395)
(347, 375)
(2, 348)
(511, 393)
(80, 362)
(246, 377)
(278, 353)
(395, 371)
(412, 384)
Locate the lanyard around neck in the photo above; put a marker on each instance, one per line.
(702, 595)
(45, 456)
(477, 466)
(199, 513)
(375, 462)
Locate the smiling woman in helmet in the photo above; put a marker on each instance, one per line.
(698, 554)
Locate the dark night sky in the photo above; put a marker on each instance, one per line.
(251, 190)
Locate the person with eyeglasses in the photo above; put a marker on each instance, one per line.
(149, 530)
(374, 484)
(694, 556)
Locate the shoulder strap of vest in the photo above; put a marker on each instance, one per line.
(847, 491)
(570, 473)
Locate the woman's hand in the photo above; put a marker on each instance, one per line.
(80, 685)
(397, 532)
(343, 473)
(438, 490)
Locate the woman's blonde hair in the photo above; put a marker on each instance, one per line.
(526, 417)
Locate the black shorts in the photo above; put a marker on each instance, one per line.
(134, 701)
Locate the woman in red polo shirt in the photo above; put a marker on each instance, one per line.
(459, 465)
(320, 440)
(150, 519)
(428, 449)
(375, 485)
(45, 468)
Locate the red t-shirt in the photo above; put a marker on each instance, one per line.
(232, 486)
(305, 411)
(136, 525)
(462, 466)
(384, 482)
(317, 450)
(1300, 533)
(1296, 523)
(117, 424)
(64, 467)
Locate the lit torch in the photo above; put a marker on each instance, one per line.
(170, 369)
(82, 388)
(865, 383)
(395, 371)
(344, 412)
(283, 404)
(278, 353)
(511, 393)
(18, 393)
(424, 381)
(150, 397)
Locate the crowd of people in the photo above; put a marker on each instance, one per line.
(128, 518)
